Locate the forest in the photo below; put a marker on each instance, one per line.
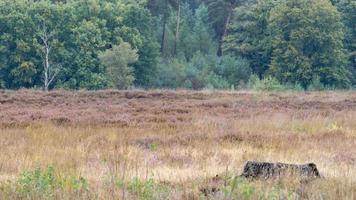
(174, 99)
(192, 44)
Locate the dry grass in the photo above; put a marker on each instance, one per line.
(179, 140)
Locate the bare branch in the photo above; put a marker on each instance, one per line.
(53, 76)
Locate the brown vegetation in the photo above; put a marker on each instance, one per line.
(180, 140)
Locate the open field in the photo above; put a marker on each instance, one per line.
(168, 145)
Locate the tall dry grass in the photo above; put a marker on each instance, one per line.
(168, 145)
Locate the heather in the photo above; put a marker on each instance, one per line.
(170, 144)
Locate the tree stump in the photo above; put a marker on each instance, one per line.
(267, 170)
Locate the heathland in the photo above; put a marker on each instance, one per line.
(170, 144)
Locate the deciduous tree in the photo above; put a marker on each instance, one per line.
(307, 41)
(118, 61)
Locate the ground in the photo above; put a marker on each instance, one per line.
(170, 144)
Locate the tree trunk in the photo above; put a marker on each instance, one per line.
(163, 38)
(46, 67)
(46, 50)
(176, 38)
(226, 26)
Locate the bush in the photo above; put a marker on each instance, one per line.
(238, 188)
(117, 62)
(316, 85)
(266, 84)
(271, 84)
(46, 184)
(241, 188)
(37, 183)
(215, 81)
(171, 73)
(200, 70)
(196, 74)
(148, 189)
(203, 72)
(235, 70)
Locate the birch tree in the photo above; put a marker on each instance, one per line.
(49, 74)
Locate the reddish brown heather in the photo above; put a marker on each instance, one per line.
(141, 108)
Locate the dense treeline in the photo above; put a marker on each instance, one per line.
(98, 44)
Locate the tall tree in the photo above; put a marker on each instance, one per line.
(307, 40)
(202, 33)
(176, 36)
(141, 19)
(196, 32)
(221, 12)
(347, 8)
(248, 36)
(163, 9)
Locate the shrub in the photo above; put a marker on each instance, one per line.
(203, 72)
(241, 188)
(148, 189)
(37, 183)
(235, 70)
(215, 81)
(271, 84)
(198, 73)
(238, 187)
(266, 84)
(316, 84)
(171, 73)
(199, 69)
(46, 184)
(117, 62)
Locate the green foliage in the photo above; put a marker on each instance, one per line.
(198, 71)
(347, 9)
(23, 74)
(271, 84)
(171, 73)
(201, 34)
(267, 84)
(215, 81)
(235, 70)
(220, 14)
(307, 41)
(117, 62)
(139, 17)
(2, 84)
(316, 84)
(37, 183)
(293, 41)
(196, 33)
(81, 30)
(152, 147)
(204, 72)
(248, 35)
(46, 184)
(241, 188)
(148, 189)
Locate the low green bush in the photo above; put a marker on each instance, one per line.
(148, 189)
(47, 184)
(242, 188)
(271, 84)
(316, 85)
